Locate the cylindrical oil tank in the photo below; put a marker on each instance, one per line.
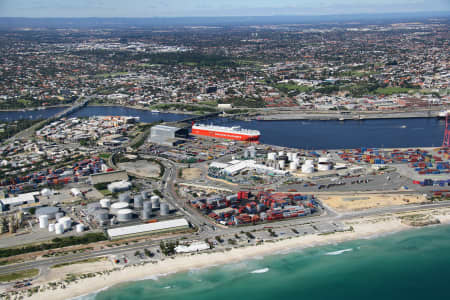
(144, 195)
(282, 164)
(164, 209)
(59, 215)
(280, 153)
(323, 166)
(138, 200)
(51, 227)
(92, 207)
(101, 215)
(147, 206)
(324, 159)
(115, 207)
(146, 214)
(59, 228)
(49, 211)
(252, 151)
(125, 215)
(105, 203)
(43, 221)
(155, 201)
(293, 166)
(66, 222)
(79, 228)
(308, 169)
(124, 197)
(309, 162)
(289, 156)
(272, 156)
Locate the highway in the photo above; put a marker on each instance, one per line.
(209, 229)
(208, 233)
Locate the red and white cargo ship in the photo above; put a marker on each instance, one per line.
(222, 132)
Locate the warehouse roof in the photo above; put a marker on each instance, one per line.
(136, 229)
(20, 199)
(218, 165)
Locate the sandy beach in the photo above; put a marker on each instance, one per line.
(368, 227)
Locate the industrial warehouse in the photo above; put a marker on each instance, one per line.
(151, 228)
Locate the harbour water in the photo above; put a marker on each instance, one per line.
(413, 264)
(388, 133)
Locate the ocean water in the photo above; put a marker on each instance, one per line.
(413, 264)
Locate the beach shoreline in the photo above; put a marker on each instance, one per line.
(362, 228)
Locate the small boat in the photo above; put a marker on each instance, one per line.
(403, 126)
(154, 111)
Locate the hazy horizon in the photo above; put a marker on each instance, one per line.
(218, 8)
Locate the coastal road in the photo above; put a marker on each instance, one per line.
(211, 234)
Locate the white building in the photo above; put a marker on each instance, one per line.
(193, 247)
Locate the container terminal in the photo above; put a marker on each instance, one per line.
(181, 184)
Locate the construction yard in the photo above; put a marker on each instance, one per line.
(351, 201)
(141, 168)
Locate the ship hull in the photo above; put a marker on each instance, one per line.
(225, 135)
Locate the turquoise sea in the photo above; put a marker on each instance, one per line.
(413, 264)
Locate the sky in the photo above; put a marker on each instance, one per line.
(193, 8)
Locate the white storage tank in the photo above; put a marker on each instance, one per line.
(124, 197)
(293, 166)
(307, 168)
(309, 162)
(115, 207)
(43, 221)
(119, 186)
(272, 156)
(280, 153)
(146, 214)
(147, 206)
(155, 201)
(323, 167)
(289, 156)
(79, 228)
(324, 160)
(252, 151)
(51, 227)
(164, 209)
(101, 215)
(105, 203)
(125, 215)
(59, 228)
(66, 222)
(49, 211)
(138, 200)
(59, 215)
(282, 164)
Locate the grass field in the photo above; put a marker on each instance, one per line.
(19, 275)
(84, 261)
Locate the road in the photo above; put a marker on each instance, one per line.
(209, 229)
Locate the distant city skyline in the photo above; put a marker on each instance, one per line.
(203, 8)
